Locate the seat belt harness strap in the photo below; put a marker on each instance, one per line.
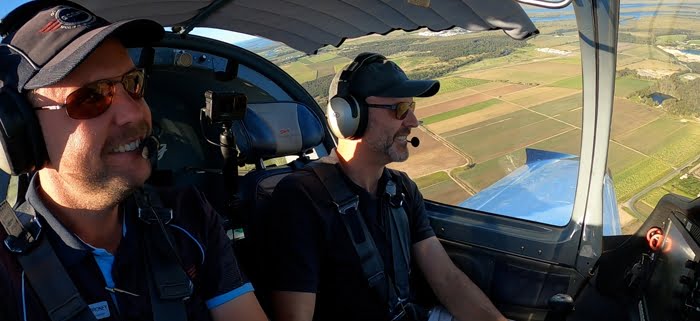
(169, 285)
(347, 204)
(41, 266)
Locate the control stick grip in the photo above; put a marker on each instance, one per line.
(560, 306)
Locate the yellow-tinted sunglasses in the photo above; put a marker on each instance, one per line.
(401, 108)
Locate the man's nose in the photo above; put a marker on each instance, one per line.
(411, 120)
(126, 108)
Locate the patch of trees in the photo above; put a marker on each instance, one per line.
(628, 37)
(561, 32)
(626, 72)
(685, 92)
(318, 88)
(384, 47)
(447, 51)
(444, 50)
(694, 66)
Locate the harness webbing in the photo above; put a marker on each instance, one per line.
(169, 285)
(45, 273)
(393, 290)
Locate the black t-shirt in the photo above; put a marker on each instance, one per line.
(310, 251)
(204, 249)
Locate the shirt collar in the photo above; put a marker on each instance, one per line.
(68, 247)
(332, 158)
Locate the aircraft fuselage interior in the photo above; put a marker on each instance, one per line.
(234, 124)
(651, 275)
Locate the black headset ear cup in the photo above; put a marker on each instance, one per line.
(21, 139)
(347, 115)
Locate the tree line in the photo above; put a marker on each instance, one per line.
(452, 54)
(684, 92)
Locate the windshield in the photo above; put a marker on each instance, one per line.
(508, 112)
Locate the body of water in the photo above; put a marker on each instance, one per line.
(660, 97)
(691, 51)
(623, 15)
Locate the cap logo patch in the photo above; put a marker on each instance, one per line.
(68, 18)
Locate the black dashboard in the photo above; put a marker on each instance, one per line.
(673, 292)
(653, 275)
(673, 289)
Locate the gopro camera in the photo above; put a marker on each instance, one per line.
(224, 107)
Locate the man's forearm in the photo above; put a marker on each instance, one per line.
(455, 290)
(464, 300)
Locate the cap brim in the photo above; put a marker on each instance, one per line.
(412, 88)
(131, 33)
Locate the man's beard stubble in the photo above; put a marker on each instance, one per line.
(101, 188)
(393, 151)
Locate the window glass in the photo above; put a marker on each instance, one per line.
(503, 134)
(655, 141)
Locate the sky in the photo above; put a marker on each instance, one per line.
(222, 35)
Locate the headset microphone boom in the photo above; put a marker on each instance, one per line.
(414, 141)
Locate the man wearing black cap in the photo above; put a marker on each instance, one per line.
(72, 111)
(318, 270)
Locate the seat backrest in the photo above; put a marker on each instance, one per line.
(269, 130)
(272, 130)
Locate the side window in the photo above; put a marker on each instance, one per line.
(507, 115)
(654, 147)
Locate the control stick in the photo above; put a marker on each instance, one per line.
(560, 305)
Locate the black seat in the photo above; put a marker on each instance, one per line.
(269, 130)
(272, 130)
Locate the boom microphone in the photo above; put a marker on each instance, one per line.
(150, 149)
(415, 141)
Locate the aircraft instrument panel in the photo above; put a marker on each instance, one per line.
(673, 291)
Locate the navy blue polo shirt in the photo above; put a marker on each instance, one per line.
(204, 249)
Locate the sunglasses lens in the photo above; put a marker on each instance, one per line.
(90, 101)
(403, 108)
(134, 83)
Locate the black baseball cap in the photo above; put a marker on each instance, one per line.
(381, 77)
(56, 38)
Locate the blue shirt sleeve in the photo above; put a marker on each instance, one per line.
(228, 296)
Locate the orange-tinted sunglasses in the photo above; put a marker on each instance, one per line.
(93, 99)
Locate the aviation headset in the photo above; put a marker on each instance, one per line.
(21, 139)
(347, 115)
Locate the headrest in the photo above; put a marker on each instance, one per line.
(277, 129)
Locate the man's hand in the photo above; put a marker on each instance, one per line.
(454, 289)
(242, 308)
(293, 306)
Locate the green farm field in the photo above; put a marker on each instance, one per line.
(559, 106)
(624, 86)
(574, 82)
(447, 192)
(490, 110)
(652, 136)
(485, 174)
(507, 136)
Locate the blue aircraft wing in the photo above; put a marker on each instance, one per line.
(543, 190)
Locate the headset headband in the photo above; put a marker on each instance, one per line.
(347, 74)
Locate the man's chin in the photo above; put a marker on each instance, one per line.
(398, 155)
(134, 175)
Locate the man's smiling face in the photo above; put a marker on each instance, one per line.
(101, 154)
(386, 135)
